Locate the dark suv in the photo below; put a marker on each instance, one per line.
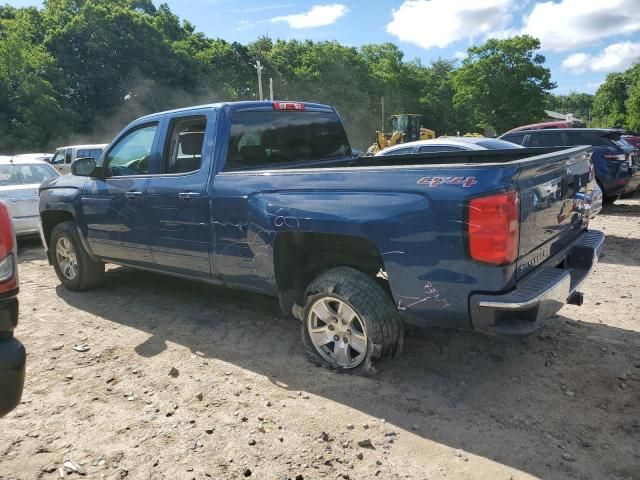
(616, 162)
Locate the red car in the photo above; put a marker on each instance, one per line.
(631, 137)
(12, 353)
(545, 125)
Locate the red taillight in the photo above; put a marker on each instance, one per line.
(621, 157)
(288, 106)
(8, 278)
(494, 228)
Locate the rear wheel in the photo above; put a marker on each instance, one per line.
(350, 322)
(75, 269)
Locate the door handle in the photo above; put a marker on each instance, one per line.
(133, 195)
(188, 195)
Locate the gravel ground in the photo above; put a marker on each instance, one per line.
(183, 380)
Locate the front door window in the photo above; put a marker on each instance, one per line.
(132, 154)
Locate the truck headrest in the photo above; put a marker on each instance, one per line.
(191, 142)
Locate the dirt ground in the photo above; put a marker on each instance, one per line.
(564, 403)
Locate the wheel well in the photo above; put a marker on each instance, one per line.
(301, 256)
(50, 219)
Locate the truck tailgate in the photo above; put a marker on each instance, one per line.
(555, 197)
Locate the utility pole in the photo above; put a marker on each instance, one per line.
(271, 89)
(382, 104)
(258, 66)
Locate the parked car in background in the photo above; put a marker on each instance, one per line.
(631, 137)
(12, 352)
(19, 183)
(448, 144)
(616, 162)
(65, 156)
(40, 157)
(549, 125)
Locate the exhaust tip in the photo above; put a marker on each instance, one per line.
(576, 299)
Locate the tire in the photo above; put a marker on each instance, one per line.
(67, 251)
(356, 309)
(605, 199)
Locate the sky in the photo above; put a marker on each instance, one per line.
(583, 40)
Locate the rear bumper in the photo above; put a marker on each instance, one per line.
(541, 294)
(12, 358)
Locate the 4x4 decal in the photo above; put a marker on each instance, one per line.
(434, 182)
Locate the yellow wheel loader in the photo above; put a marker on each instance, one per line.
(405, 128)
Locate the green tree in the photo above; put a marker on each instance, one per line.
(30, 106)
(579, 104)
(609, 107)
(503, 83)
(632, 103)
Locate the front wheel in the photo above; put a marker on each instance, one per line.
(350, 322)
(75, 269)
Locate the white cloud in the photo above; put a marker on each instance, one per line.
(460, 55)
(578, 62)
(615, 58)
(438, 23)
(317, 16)
(570, 24)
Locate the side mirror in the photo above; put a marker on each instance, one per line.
(83, 167)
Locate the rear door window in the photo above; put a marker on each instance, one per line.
(89, 152)
(547, 139)
(183, 151)
(273, 138)
(594, 139)
(8, 176)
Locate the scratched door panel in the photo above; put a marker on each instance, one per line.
(179, 235)
(178, 207)
(116, 220)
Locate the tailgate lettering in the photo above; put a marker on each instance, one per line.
(435, 182)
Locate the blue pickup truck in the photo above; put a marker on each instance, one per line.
(268, 197)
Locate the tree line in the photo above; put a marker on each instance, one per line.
(617, 101)
(79, 70)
